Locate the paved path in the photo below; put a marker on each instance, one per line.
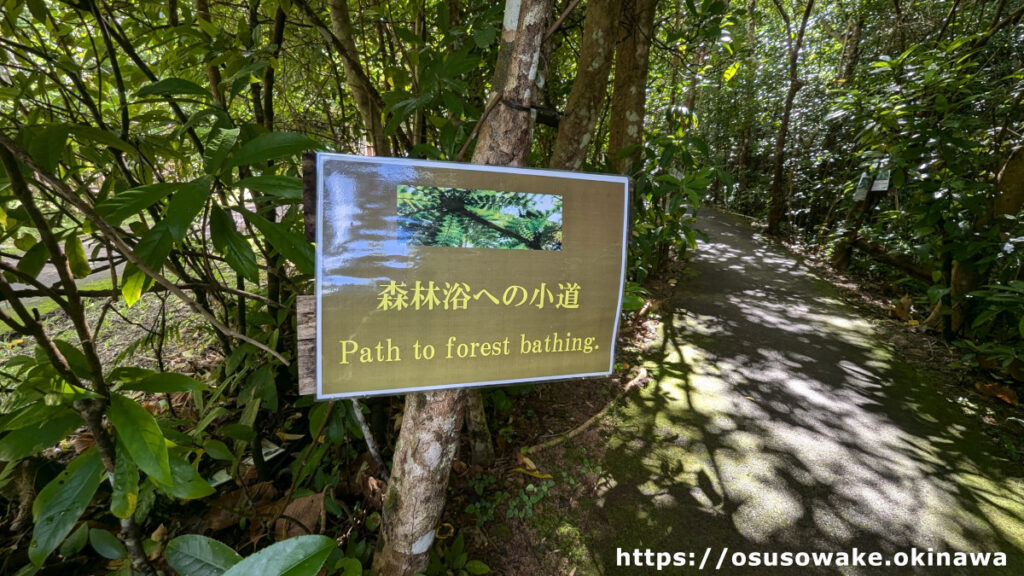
(777, 420)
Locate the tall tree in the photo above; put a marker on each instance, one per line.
(589, 89)
(629, 95)
(429, 433)
(793, 45)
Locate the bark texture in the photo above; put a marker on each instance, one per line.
(419, 477)
(369, 108)
(480, 444)
(778, 196)
(629, 96)
(586, 99)
(504, 139)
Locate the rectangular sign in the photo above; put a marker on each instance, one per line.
(881, 183)
(436, 275)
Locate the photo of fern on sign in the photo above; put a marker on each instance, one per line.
(434, 275)
(460, 218)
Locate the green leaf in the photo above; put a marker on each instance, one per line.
(125, 497)
(218, 450)
(285, 187)
(38, 10)
(101, 136)
(166, 383)
(74, 543)
(218, 146)
(122, 205)
(173, 87)
(75, 252)
(289, 244)
(731, 71)
(156, 244)
(106, 544)
(47, 145)
(33, 438)
(233, 245)
(272, 146)
(196, 555)
(348, 567)
(25, 242)
(76, 359)
(187, 484)
(141, 436)
(61, 502)
(298, 556)
(33, 261)
(477, 567)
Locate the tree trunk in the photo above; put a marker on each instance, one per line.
(967, 276)
(629, 96)
(341, 25)
(419, 478)
(778, 195)
(575, 129)
(505, 136)
(747, 112)
(480, 444)
(429, 434)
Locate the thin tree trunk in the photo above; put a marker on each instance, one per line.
(747, 115)
(429, 434)
(419, 478)
(778, 194)
(341, 25)
(629, 96)
(480, 444)
(576, 128)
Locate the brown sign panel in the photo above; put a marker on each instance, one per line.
(434, 275)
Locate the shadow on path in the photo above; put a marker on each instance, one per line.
(777, 421)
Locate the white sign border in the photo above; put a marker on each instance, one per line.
(322, 157)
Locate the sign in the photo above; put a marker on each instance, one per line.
(881, 183)
(862, 187)
(436, 275)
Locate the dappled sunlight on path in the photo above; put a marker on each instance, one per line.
(776, 420)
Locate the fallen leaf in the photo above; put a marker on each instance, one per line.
(300, 517)
(997, 391)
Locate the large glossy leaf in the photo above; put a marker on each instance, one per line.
(286, 187)
(187, 484)
(173, 87)
(218, 146)
(196, 555)
(106, 544)
(46, 144)
(298, 556)
(272, 146)
(233, 245)
(156, 244)
(77, 259)
(124, 204)
(61, 502)
(141, 436)
(166, 383)
(31, 439)
(289, 244)
(125, 496)
(33, 261)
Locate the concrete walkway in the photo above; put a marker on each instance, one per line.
(776, 420)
